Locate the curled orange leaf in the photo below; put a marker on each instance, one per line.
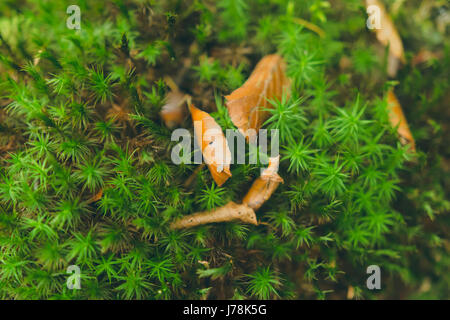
(263, 187)
(213, 144)
(229, 212)
(246, 104)
(397, 118)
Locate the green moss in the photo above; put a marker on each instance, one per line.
(86, 176)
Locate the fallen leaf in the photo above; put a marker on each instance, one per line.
(213, 144)
(397, 118)
(174, 111)
(387, 35)
(96, 197)
(229, 212)
(263, 187)
(245, 104)
(350, 292)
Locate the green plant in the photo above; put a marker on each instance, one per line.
(86, 176)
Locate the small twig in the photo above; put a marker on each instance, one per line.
(310, 26)
(96, 197)
(229, 212)
(191, 178)
(263, 187)
(261, 190)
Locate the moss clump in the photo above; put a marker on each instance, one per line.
(86, 176)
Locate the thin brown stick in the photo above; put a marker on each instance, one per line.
(229, 212)
(194, 174)
(263, 187)
(310, 26)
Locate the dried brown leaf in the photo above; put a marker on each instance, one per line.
(96, 196)
(397, 118)
(213, 144)
(245, 104)
(173, 112)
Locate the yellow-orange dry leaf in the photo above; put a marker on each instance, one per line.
(213, 144)
(229, 212)
(96, 197)
(396, 117)
(263, 187)
(174, 111)
(350, 292)
(387, 35)
(245, 104)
